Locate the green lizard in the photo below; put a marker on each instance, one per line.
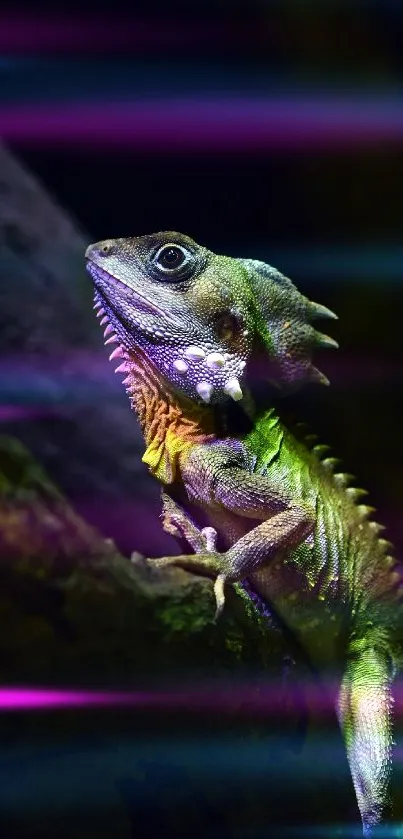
(202, 341)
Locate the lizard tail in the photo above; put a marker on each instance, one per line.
(364, 711)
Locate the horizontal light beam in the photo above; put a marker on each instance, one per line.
(216, 124)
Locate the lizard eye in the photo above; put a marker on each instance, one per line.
(170, 257)
(173, 262)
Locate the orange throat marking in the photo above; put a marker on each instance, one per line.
(171, 425)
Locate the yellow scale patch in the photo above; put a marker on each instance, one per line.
(163, 456)
(171, 424)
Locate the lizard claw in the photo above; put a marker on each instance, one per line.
(210, 539)
(219, 595)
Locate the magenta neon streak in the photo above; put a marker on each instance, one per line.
(232, 124)
(88, 369)
(53, 34)
(240, 700)
(9, 413)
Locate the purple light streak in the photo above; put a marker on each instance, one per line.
(61, 33)
(201, 124)
(242, 699)
(84, 375)
(246, 700)
(10, 413)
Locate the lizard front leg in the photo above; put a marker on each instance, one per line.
(219, 476)
(178, 523)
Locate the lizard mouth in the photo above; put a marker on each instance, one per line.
(105, 283)
(124, 305)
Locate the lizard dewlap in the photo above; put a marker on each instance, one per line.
(203, 342)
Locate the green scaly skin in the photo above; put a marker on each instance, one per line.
(203, 340)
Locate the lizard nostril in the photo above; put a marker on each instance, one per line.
(99, 249)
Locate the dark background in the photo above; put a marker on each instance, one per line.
(264, 129)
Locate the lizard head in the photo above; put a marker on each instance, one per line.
(197, 316)
(182, 306)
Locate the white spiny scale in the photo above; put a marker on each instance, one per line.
(112, 340)
(118, 352)
(108, 330)
(101, 313)
(104, 320)
(215, 360)
(126, 381)
(97, 304)
(194, 353)
(180, 365)
(123, 368)
(233, 389)
(204, 389)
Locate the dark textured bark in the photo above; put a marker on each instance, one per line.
(63, 584)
